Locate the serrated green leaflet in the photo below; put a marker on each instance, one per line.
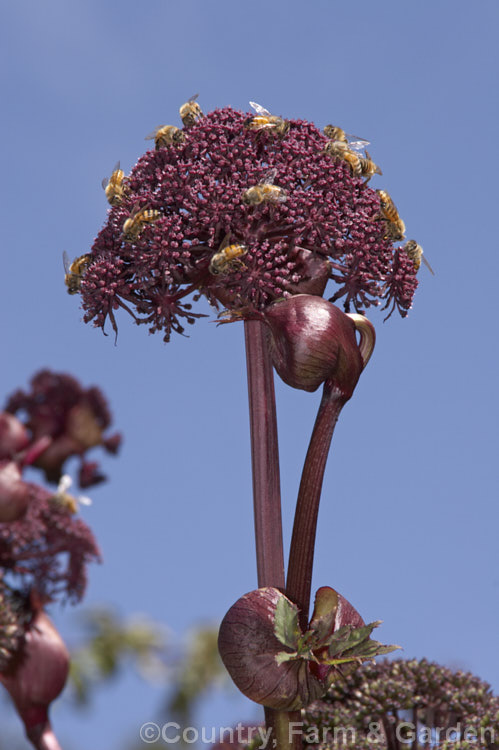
(286, 627)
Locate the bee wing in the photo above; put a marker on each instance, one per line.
(136, 209)
(152, 135)
(106, 180)
(66, 262)
(65, 483)
(260, 110)
(192, 99)
(430, 269)
(225, 242)
(269, 176)
(83, 500)
(357, 145)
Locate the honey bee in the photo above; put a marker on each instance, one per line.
(166, 135)
(368, 167)
(64, 499)
(263, 120)
(115, 187)
(190, 111)
(335, 148)
(352, 141)
(395, 226)
(137, 221)
(415, 253)
(340, 150)
(227, 258)
(75, 271)
(265, 191)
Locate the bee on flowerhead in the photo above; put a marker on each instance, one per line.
(137, 220)
(74, 271)
(65, 500)
(415, 253)
(190, 112)
(227, 258)
(368, 167)
(353, 142)
(115, 186)
(265, 191)
(340, 150)
(395, 227)
(345, 147)
(263, 120)
(166, 135)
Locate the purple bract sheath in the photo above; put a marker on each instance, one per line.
(194, 229)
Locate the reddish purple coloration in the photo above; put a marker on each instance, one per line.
(48, 549)
(400, 284)
(330, 224)
(312, 341)
(13, 436)
(70, 418)
(14, 492)
(248, 646)
(37, 673)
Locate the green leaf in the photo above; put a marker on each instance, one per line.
(348, 638)
(283, 656)
(286, 627)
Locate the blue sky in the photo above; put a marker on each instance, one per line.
(409, 516)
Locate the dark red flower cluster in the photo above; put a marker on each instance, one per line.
(47, 549)
(327, 226)
(70, 420)
(44, 548)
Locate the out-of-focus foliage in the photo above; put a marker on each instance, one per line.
(199, 670)
(111, 642)
(188, 671)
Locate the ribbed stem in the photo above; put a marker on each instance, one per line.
(301, 554)
(264, 458)
(267, 495)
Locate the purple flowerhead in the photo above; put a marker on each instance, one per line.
(63, 419)
(191, 223)
(47, 549)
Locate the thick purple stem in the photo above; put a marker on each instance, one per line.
(301, 555)
(267, 495)
(265, 458)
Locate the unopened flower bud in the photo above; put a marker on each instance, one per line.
(312, 341)
(39, 673)
(260, 643)
(14, 492)
(13, 435)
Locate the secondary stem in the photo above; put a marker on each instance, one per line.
(301, 555)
